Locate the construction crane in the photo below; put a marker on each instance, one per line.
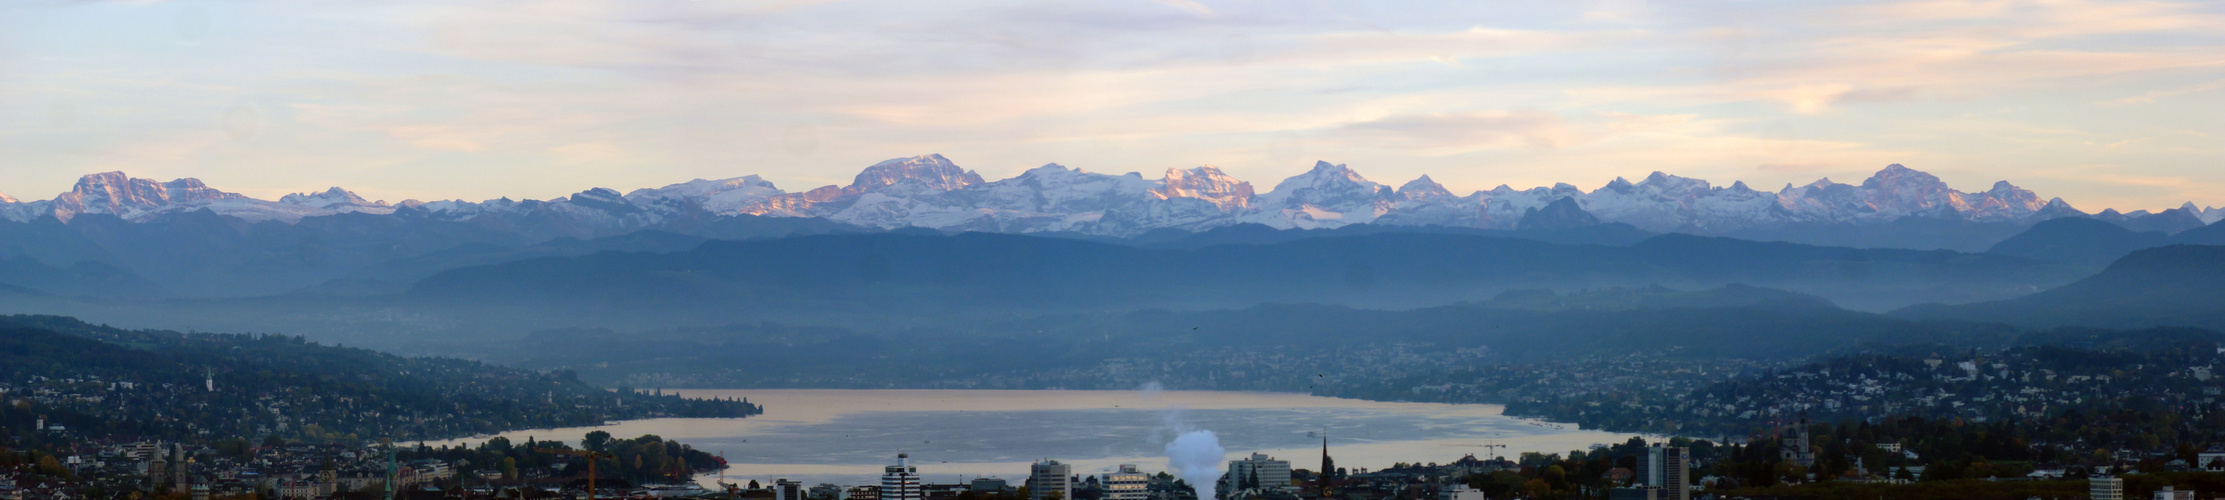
(591, 456)
(1494, 455)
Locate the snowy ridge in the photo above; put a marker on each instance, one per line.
(138, 200)
(931, 191)
(2209, 215)
(723, 195)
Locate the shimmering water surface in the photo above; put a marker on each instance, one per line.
(846, 436)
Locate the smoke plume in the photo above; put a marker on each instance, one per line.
(1197, 456)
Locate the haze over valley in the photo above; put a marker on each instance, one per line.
(919, 243)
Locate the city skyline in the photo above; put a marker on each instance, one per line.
(2103, 104)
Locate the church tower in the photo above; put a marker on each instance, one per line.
(1326, 479)
(157, 467)
(328, 480)
(181, 470)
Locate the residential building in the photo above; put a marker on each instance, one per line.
(2212, 459)
(901, 481)
(293, 488)
(2106, 488)
(1126, 483)
(2170, 493)
(1271, 473)
(1049, 480)
(1461, 492)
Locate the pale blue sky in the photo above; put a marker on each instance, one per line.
(2106, 104)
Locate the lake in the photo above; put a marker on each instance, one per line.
(846, 436)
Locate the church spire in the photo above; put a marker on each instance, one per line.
(1328, 474)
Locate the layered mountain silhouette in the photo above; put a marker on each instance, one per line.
(1525, 326)
(2078, 240)
(2097, 241)
(2176, 285)
(1561, 214)
(200, 253)
(1376, 270)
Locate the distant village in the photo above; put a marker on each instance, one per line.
(156, 469)
(278, 420)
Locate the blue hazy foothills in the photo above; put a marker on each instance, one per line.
(845, 436)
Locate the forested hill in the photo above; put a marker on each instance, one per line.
(97, 381)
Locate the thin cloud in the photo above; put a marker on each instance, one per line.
(532, 98)
(1461, 132)
(2152, 96)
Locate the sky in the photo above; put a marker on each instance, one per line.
(2105, 104)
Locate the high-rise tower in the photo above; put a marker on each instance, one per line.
(1050, 480)
(901, 481)
(1669, 468)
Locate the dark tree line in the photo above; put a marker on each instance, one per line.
(101, 381)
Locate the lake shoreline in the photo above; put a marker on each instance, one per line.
(845, 435)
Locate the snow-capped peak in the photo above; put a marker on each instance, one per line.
(719, 196)
(703, 188)
(598, 195)
(4, 198)
(1660, 182)
(1050, 170)
(137, 199)
(1423, 188)
(931, 173)
(334, 197)
(124, 196)
(1327, 184)
(1897, 177)
(1819, 185)
(1206, 183)
(1330, 195)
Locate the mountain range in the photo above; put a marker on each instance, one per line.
(932, 192)
(116, 236)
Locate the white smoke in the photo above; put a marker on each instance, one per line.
(1197, 455)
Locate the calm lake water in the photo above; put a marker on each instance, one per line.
(846, 436)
